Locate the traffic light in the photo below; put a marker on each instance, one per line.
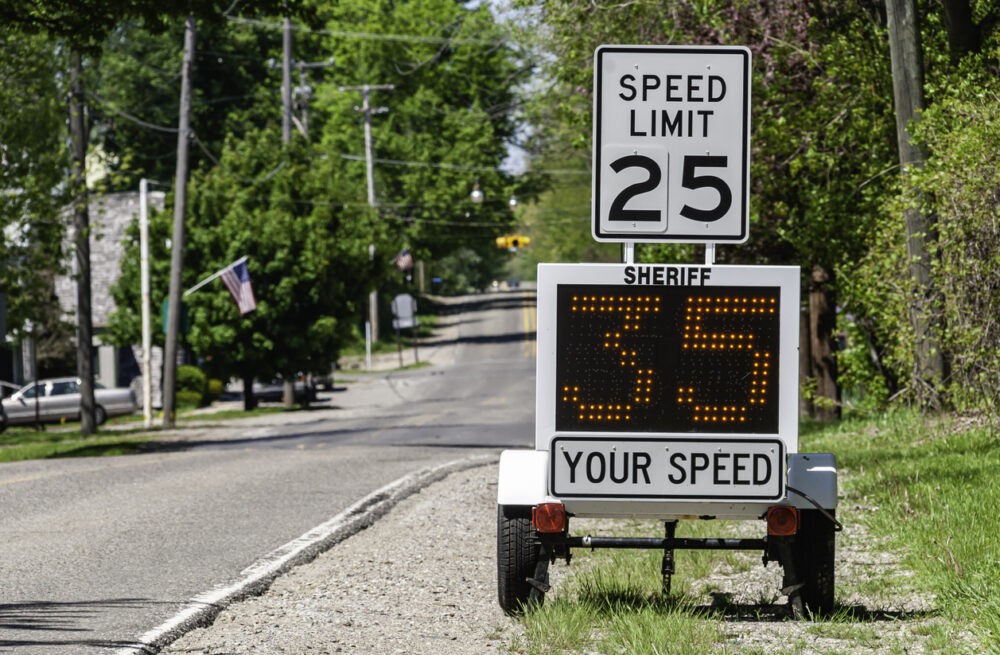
(512, 241)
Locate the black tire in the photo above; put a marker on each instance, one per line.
(100, 416)
(3, 422)
(815, 549)
(517, 560)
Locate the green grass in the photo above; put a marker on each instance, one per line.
(925, 488)
(935, 483)
(129, 437)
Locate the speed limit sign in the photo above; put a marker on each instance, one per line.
(671, 143)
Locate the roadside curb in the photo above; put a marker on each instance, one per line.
(202, 610)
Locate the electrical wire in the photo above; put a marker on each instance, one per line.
(411, 38)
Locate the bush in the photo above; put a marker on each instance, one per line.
(188, 399)
(214, 390)
(193, 383)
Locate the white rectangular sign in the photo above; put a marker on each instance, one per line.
(671, 143)
(718, 469)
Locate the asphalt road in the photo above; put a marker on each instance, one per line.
(95, 552)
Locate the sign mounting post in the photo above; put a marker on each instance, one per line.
(671, 144)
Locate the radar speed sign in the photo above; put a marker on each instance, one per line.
(671, 143)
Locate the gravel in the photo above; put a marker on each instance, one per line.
(423, 580)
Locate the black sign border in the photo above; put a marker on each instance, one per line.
(744, 197)
(733, 499)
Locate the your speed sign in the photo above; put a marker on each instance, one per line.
(671, 143)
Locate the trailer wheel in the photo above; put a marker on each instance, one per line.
(518, 562)
(815, 547)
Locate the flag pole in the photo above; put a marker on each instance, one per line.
(214, 275)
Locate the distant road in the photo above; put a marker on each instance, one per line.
(95, 552)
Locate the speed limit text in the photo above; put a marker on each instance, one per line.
(681, 122)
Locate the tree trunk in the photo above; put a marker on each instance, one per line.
(822, 323)
(249, 401)
(81, 245)
(963, 33)
(908, 92)
(806, 409)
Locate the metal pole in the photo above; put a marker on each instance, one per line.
(147, 332)
(367, 111)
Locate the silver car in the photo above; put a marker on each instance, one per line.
(58, 399)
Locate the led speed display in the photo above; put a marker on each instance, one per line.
(667, 359)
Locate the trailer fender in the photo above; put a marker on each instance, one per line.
(523, 478)
(812, 476)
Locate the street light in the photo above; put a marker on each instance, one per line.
(477, 194)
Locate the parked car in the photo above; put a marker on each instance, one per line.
(58, 399)
(273, 391)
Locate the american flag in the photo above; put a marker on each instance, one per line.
(404, 260)
(236, 277)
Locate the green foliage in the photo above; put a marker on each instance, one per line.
(214, 390)
(191, 378)
(960, 188)
(449, 114)
(192, 387)
(32, 163)
(824, 168)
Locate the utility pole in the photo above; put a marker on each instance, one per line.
(367, 110)
(906, 58)
(299, 96)
(286, 83)
(81, 243)
(177, 244)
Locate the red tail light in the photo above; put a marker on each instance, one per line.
(549, 518)
(782, 521)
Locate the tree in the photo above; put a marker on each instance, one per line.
(448, 118)
(819, 141)
(32, 164)
(307, 255)
(82, 26)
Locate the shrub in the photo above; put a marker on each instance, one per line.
(193, 383)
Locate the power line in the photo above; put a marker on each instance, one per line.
(371, 36)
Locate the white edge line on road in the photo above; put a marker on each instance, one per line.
(255, 579)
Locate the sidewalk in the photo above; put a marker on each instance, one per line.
(356, 391)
